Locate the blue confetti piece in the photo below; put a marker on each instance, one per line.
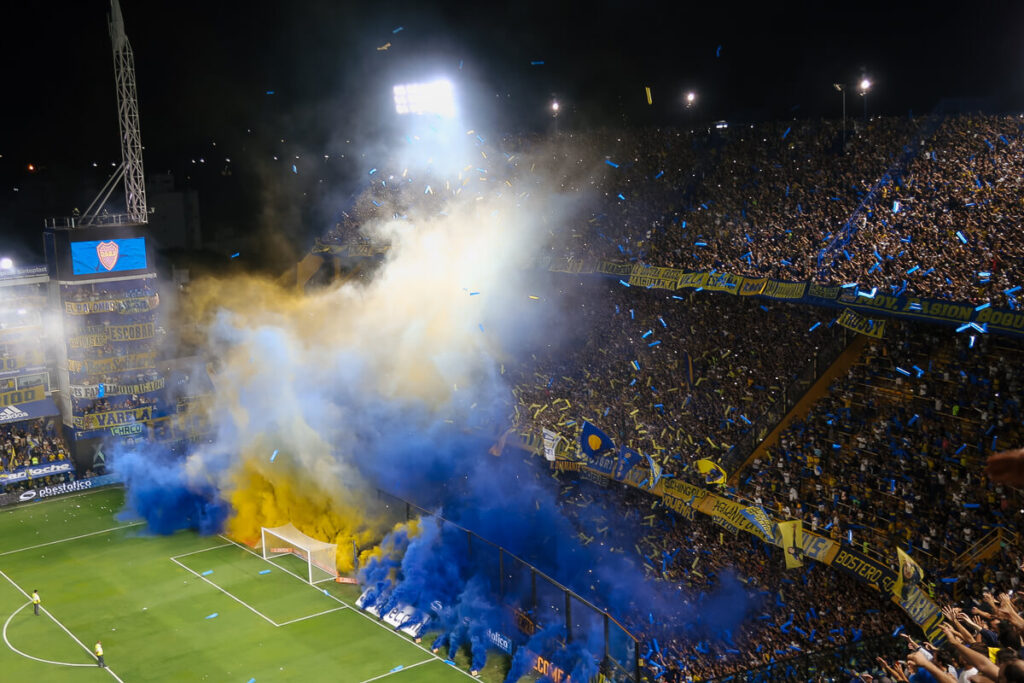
(963, 327)
(449, 662)
(982, 307)
(972, 506)
(207, 572)
(787, 132)
(264, 571)
(636, 364)
(1012, 290)
(623, 283)
(236, 254)
(913, 270)
(700, 244)
(372, 171)
(621, 197)
(399, 29)
(537, 62)
(718, 51)
(961, 236)
(294, 170)
(273, 455)
(326, 593)
(814, 327)
(764, 308)
(950, 579)
(611, 163)
(902, 371)
(397, 668)
(212, 616)
(661, 173)
(270, 92)
(647, 334)
(663, 323)
(654, 343)
(460, 65)
(481, 326)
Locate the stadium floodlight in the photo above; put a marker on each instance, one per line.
(436, 97)
(865, 85)
(555, 106)
(691, 99)
(6, 263)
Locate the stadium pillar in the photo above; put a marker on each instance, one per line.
(568, 616)
(533, 590)
(606, 635)
(501, 572)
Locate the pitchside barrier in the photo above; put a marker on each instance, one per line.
(535, 602)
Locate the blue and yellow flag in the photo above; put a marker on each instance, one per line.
(655, 472)
(628, 459)
(910, 574)
(791, 539)
(713, 474)
(760, 519)
(593, 441)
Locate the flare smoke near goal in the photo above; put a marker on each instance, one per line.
(396, 383)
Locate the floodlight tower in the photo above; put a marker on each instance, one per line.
(128, 118)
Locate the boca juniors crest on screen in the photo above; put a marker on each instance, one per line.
(108, 256)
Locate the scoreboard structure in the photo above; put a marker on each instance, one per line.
(103, 287)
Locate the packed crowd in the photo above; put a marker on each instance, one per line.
(676, 378)
(892, 455)
(920, 206)
(783, 615)
(30, 442)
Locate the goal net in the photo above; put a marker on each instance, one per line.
(319, 557)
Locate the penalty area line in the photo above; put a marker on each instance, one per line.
(236, 599)
(56, 621)
(356, 610)
(310, 616)
(398, 671)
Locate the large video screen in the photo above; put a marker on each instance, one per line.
(109, 256)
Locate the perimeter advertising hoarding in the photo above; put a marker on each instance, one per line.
(97, 252)
(59, 489)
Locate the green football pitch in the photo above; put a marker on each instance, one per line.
(183, 608)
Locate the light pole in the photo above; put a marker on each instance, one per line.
(865, 85)
(842, 89)
(555, 108)
(691, 99)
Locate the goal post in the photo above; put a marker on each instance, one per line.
(320, 557)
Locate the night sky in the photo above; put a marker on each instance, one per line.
(204, 69)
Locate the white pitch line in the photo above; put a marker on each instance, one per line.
(63, 628)
(404, 668)
(72, 538)
(203, 550)
(238, 600)
(360, 612)
(326, 611)
(24, 654)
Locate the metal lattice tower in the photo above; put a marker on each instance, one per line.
(128, 118)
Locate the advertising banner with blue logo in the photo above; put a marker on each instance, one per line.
(110, 256)
(35, 472)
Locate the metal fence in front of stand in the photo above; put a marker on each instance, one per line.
(536, 601)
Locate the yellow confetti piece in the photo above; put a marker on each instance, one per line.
(535, 298)
(383, 47)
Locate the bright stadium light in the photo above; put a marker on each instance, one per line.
(436, 97)
(865, 85)
(6, 263)
(554, 106)
(691, 99)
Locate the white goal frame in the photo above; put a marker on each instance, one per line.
(291, 541)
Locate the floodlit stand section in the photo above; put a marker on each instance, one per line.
(320, 557)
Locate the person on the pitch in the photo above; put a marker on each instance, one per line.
(35, 601)
(99, 654)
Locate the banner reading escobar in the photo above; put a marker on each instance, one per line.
(99, 335)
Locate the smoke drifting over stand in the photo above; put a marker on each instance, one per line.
(396, 383)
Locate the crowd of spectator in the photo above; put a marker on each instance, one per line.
(678, 378)
(30, 442)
